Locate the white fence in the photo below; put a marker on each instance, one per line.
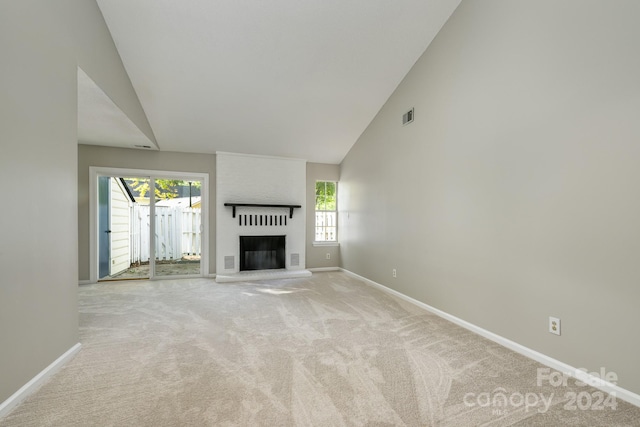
(177, 232)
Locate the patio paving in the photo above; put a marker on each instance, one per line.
(184, 266)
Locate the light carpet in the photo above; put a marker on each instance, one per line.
(327, 350)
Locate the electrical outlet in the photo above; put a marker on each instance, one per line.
(554, 325)
(393, 273)
(328, 255)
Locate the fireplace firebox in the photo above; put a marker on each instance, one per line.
(262, 252)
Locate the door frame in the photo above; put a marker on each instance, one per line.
(95, 171)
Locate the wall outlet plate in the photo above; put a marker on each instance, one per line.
(554, 325)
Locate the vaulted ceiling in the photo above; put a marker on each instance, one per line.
(292, 78)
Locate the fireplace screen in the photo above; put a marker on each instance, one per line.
(262, 252)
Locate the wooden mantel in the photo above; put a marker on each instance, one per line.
(260, 205)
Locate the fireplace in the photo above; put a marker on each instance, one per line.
(262, 252)
(259, 201)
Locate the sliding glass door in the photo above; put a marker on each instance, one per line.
(149, 226)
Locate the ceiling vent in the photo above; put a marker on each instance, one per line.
(147, 147)
(407, 117)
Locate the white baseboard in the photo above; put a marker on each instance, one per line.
(210, 276)
(584, 377)
(37, 381)
(320, 269)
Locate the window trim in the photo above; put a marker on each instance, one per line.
(329, 243)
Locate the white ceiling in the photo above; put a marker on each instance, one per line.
(291, 78)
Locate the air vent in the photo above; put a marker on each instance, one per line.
(147, 147)
(295, 260)
(407, 117)
(229, 263)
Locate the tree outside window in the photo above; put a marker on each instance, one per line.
(326, 211)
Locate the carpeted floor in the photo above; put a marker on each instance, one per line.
(324, 351)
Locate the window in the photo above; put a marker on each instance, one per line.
(326, 211)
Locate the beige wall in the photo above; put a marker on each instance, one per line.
(41, 45)
(514, 194)
(90, 155)
(317, 255)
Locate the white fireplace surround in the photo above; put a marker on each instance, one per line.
(249, 179)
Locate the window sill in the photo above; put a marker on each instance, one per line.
(326, 244)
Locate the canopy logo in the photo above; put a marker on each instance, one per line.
(501, 402)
